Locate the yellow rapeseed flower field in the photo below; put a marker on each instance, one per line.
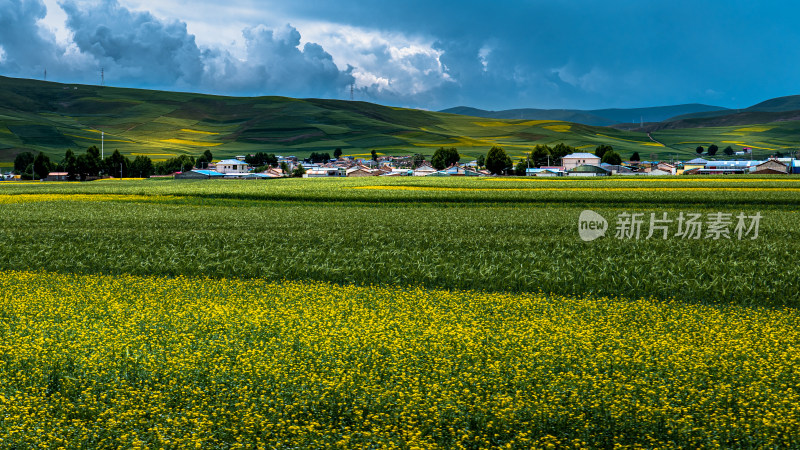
(90, 361)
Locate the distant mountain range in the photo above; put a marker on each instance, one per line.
(656, 118)
(594, 117)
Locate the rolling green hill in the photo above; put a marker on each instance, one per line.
(51, 117)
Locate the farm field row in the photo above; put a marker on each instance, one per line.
(510, 235)
(129, 361)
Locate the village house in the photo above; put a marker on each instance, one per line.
(231, 166)
(456, 170)
(424, 170)
(728, 167)
(57, 176)
(618, 169)
(588, 170)
(359, 171)
(667, 167)
(697, 163)
(199, 174)
(771, 167)
(541, 172)
(574, 160)
(321, 172)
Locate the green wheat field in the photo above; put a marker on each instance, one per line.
(398, 313)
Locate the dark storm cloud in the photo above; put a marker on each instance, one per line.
(138, 49)
(276, 62)
(27, 50)
(425, 53)
(589, 53)
(135, 46)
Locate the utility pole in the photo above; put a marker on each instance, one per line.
(120, 170)
(102, 77)
(102, 144)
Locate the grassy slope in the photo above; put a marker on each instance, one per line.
(764, 139)
(52, 117)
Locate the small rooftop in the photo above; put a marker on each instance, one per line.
(581, 155)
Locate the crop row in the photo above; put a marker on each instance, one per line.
(494, 246)
(107, 361)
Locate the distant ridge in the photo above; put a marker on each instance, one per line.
(596, 117)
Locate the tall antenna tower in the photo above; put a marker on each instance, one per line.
(352, 88)
(102, 77)
(45, 74)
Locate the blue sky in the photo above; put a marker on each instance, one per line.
(422, 54)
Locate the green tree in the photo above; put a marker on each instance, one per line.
(141, 167)
(374, 155)
(602, 149)
(612, 157)
(261, 159)
(117, 165)
(95, 160)
(204, 160)
(418, 160)
(497, 161)
(635, 157)
(22, 161)
(284, 168)
(181, 163)
(699, 150)
(540, 155)
(521, 167)
(70, 164)
(319, 157)
(299, 171)
(337, 153)
(29, 173)
(713, 149)
(41, 166)
(445, 157)
(728, 151)
(559, 151)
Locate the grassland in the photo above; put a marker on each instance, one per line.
(494, 234)
(357, 313)
(52, 117)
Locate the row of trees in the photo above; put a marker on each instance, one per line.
(261, 159)
(713, 149)
(90, 164)
(498, 162)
